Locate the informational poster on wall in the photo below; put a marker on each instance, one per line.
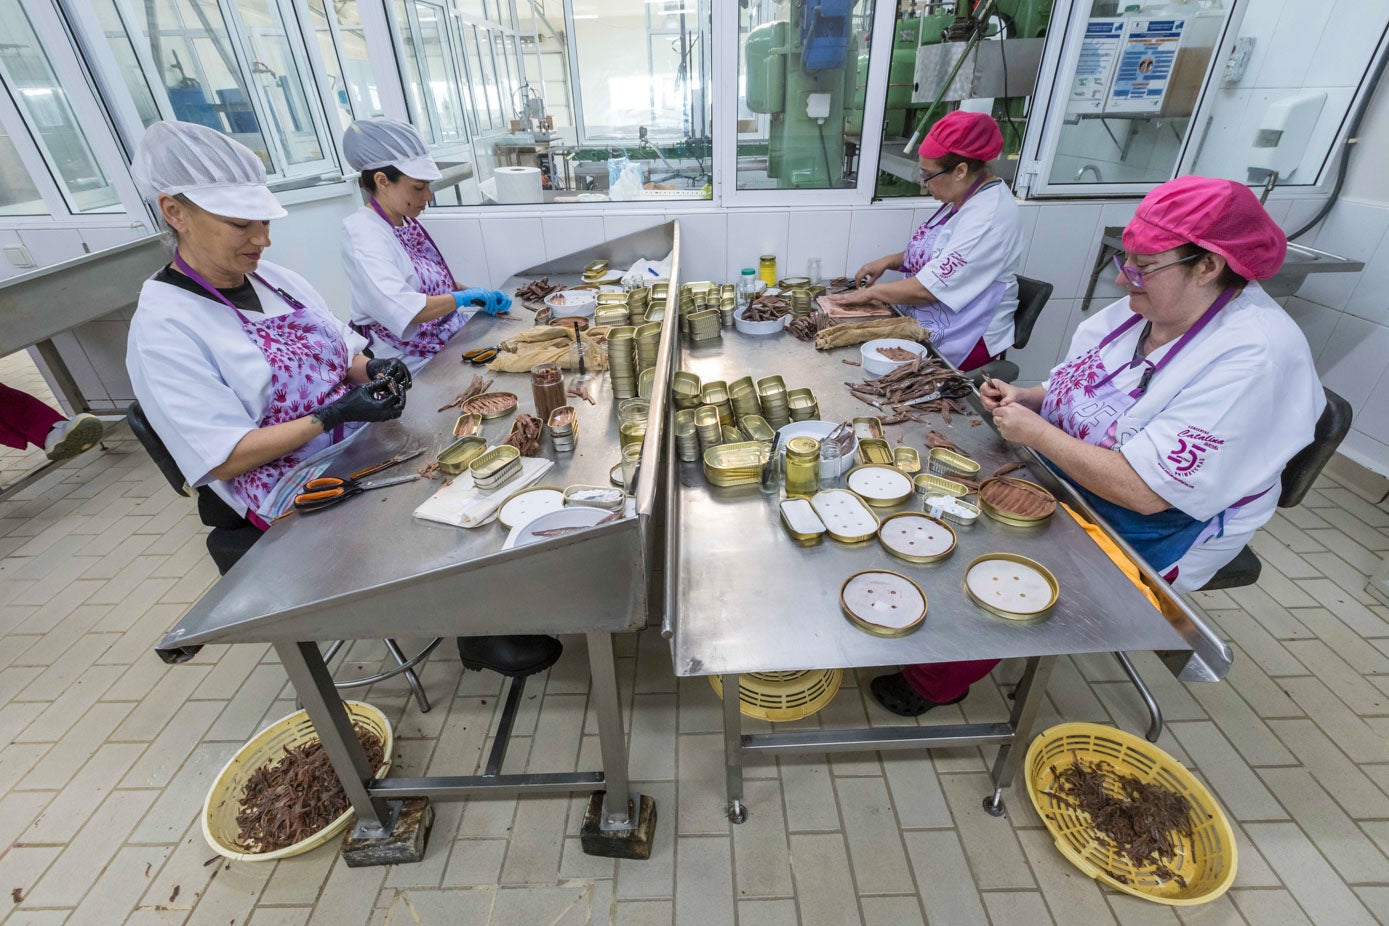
(1098, 51)
(1144, 72)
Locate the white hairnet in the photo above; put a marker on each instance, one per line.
(216, 172)
(373, 143)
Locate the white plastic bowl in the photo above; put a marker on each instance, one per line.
(875, 364)
(759, 328)
(571, 302)
(818, 430)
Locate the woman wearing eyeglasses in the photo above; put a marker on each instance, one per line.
(1179, 405)
(961, 264)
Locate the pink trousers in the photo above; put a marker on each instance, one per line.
(946, 681)
(24, 419)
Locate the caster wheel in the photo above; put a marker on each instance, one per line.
(737, 813)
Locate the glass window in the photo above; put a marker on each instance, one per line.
(278, 80)
(343, 46)
(801, 82)
(132, 75)
(998, 62)
(18, 195)
(431, 80)
(42, 102)
(1134, 84)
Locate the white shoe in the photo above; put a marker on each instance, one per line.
(69, 438)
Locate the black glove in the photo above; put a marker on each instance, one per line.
(392, 367)
(373, 401)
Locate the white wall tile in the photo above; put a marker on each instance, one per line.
(819, 234)
(617, 224)
(1365, 450)
(1060, 250)
(703, 244)
(1354, 358)
(1316, 321)
(877, 231)
(752, 234)
(461, 242)
(1372, 415)
(1370, 297)
(512, 243)
(1353, 229)
(48, 246)
(565, 234)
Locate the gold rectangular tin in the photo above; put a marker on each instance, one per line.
(907, 460)
(875, 450)
(930, 484)
(756, 428)
(964, 512)
(604, 497)
(804, 531)
(944, 462)
(686, 389)
(467, 425)
(487, 465)
(455, 458)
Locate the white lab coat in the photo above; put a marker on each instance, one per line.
(1219, 422)
(201, 380)
(383, 286)
(981, 245)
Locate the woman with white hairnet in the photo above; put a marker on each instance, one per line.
(238, 363)
(404, 297)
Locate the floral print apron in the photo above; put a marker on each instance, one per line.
(308, 369)
(435, 280)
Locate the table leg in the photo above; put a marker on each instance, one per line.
(733, 749)
(618, 823)
(1027, 702)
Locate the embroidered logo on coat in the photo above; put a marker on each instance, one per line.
(953, 261)
(1189, 455)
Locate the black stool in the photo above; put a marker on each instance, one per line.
(1032, 298)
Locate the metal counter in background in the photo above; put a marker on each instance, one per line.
(749, 599)
(368, 569)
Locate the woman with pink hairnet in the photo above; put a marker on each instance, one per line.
(1178, 406)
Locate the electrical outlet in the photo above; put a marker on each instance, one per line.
(817, 106)
(18, 255)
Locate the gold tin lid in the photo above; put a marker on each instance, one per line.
(606, 497)
(803, 447)
(883, 603)
(946, 462)
(801, 521)
(879, 484)
(455, 458)
(1011, 586)
(916, 538)
(489, 464)
(868, 428)
(928, 484)
(1034, 503)
(528, 504)
(845, 516)
(907, 460)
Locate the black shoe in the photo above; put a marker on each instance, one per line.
(516, 656)
(896, 694)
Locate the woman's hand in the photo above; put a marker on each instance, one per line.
(862, 296)
(996, 392)
(869, 273)
(1018, 423)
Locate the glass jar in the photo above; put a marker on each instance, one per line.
(767, 269)
(631, 421)
(802, 467)
(547, 389)
(812, 270)
(830, 456)
(747, 287)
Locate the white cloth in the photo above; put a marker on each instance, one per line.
(981, 245)
(218, 173)
(200, 379)
(382, 283)
(1219, 422)
(461, 504)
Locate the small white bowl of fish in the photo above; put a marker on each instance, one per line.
(572, 302)
(884, 355)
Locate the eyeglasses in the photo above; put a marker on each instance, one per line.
(927, 178)
(1136, 276)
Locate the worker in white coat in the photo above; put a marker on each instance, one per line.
(1178, 406)
(239, 365)
(960, 267)
(405, 298)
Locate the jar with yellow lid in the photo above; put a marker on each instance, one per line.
(802, 467)
(766, 269)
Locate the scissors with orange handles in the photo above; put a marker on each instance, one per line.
(328, 491)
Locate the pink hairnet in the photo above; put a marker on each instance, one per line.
(1221, 216)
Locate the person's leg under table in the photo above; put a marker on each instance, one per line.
(24, 420)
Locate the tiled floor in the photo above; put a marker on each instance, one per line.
(107, 754)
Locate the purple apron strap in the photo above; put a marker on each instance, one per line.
(1154, 368)
(215, 293)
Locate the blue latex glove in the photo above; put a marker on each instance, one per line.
(497, 303)
(471, 298)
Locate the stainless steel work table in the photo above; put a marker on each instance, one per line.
(368, 569)
(748, 599)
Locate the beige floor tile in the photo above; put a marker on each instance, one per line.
(819, 862)
(1283, 589)
(990, 844)
(16, 760)
(1349, 851)
(77, 746)
(1254, 740)
(118, 889)
(240, 719)
(474, 862)
(1356, 737)
(231, 896)
(1130, 911)
(1218, 912)
(1376, 900)
(70, 876)
(767, 913)
(148, 718)
(1265, 695)
(168, 751)
(1346, 643)
(280, 916)
(1073, 898)
(1340, 677)
(809, 792)
(701, 711)
(645, 913)
(233, 667)
(875, 842)
(891, 911)
(703, 797)
(1275, 618)
(575, 864)
(432, 908)
(654, 725)
(37, 918)
(348, 896)
(704, 881)
(760, 846)
(1291, 536)
(80, 797)
(1356, 794)
(943, 877)
(1307, 875)
(1346, 607)
(23, 867)
(298, 880)
(1016, 907)
(916, 792)
(67, 670)
(1258, 644)
(1348, 578)
(654, 672)
(1235, 784)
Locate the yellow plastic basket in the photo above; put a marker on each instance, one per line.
(219, 810)
(783, 696)
(1207, 861)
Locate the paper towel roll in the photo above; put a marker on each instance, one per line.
(518, 184)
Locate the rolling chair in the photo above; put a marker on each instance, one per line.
(1032, 298)
(1298, 476)
(232, 535)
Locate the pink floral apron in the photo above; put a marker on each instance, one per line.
(954, 334)
(435, 280)
(1083, 401)
(308, 369)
